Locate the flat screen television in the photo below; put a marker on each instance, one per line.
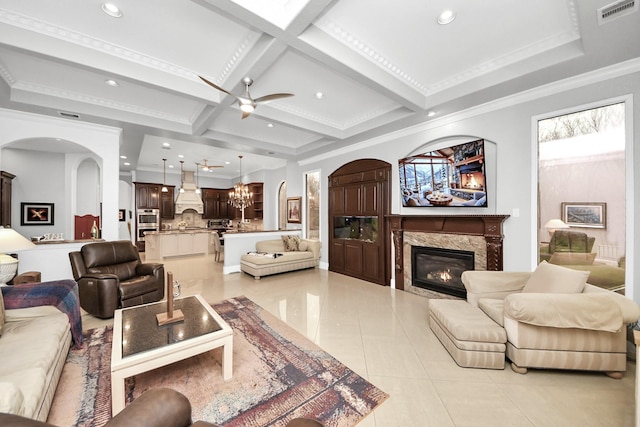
(447, 177)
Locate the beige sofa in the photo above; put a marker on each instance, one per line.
(34, 343)
(271, 257)
(555, 319)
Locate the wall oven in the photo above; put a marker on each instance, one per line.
(149, 217)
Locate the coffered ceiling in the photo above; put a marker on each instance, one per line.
(380, 65)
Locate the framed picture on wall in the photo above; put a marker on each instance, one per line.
(122, 215)
(584, 214)
(294, 209)
(36, 213)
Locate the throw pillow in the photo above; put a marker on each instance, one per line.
(549, 278)
(572, 258)
(303, 246)
(291, 243)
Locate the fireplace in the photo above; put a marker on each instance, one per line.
(440, 269)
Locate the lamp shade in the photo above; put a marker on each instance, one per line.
(555, 224)
(10, 241)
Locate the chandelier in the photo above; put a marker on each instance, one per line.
(240, 197)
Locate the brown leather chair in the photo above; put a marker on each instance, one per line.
(161, 407)
(110, 275)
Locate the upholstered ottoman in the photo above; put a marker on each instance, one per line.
(470, 336)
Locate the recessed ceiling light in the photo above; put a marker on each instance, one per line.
(111, 82)
(446, 17)
(431, 113)
(181, 156)
(269, 125)
(170, 166)
(227, 163)
(127, 164)
(111, 10)
(123, 157)
(166, 144)
(319, 95)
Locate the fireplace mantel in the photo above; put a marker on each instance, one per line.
(488, 226)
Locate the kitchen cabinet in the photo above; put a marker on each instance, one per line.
(5, 198)
(167, 203)
(359, 199)
(147, 195)
(216, 204)
(177, 243)
(255, 210)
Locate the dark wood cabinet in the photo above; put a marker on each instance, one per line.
(359, 199)
(147, 195)
(255, 210)
(216, 204)
(6, 179)
(167, 203)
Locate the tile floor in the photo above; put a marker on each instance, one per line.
(384, 336)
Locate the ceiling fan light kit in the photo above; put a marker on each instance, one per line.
(246, 103)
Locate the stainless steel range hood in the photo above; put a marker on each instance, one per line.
(189, 199)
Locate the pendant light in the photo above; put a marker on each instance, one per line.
(181, 177)
(164, 179)
(240, 197)
(197, 180)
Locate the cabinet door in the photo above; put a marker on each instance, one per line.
(154, 197)
(170, 245)
(185, 244)
(167, 207)
(352, 202)
(369, 193)
(371, 261)
(142, 196)
(336, 262)
(5, 198)
(200, 243)
(209, 198)
(353, 257)
(336, 195)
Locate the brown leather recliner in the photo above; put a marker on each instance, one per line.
(110, 275)
(161, 407)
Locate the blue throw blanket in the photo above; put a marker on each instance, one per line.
(62, 294)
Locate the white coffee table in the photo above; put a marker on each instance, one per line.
(140, 345)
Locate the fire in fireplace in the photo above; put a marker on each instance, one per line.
(439, 269)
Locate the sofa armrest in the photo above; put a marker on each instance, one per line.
(592, 311)
(313, 246)
(155, 407)
(492, 284)
(149, 269)
(628, 307)
(16, 314)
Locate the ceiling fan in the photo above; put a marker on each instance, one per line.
(245, 101)
(206, 167)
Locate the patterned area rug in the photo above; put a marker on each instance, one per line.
(278, 374)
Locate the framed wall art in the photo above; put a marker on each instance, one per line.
(584, 214)
(36, 213)
(294, 208)
(122, 215)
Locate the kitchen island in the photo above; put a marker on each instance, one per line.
(239, 242)
(172, 243)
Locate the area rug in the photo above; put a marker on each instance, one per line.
(278, 374)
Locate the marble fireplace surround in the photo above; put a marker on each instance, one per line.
(481, 234)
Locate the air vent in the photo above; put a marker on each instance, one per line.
(616, 10)
(69, 115)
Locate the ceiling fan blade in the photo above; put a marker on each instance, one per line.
(272, 97)
(216, 86)
(245, 114)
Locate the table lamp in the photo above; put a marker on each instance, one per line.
(553, 225)
(10, 241)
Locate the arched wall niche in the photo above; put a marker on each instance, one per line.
(491, 168)
(92, 143)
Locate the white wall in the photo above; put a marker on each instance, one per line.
(507, 123)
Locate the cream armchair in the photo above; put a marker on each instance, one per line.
(554, 319)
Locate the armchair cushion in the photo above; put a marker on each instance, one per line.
(549, 278)
(593, 311)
